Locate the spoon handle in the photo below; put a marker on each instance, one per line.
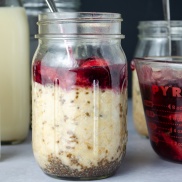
(51, 5)
(166, 9)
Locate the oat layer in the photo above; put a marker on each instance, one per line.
(80, 132)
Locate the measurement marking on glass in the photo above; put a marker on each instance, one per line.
(151, 104)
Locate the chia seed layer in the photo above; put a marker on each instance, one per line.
(103, 169)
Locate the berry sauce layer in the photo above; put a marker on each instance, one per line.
(89, 71)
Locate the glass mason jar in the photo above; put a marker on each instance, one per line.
(79, 94)
(156, 39)
(15, 72)
(36, 7)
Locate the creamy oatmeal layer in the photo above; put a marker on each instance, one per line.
(138, 112)
(80, 128)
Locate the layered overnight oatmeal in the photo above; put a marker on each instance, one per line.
(79, 118)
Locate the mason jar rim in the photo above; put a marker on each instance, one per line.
(160, 23)
(164, 61)
(160, 28)
(91, 25)
(79, 36)
(79, 16)
(160, 59)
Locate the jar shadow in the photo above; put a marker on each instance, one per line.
(16, 151)
(138, 158)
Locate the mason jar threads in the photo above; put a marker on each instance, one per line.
(35, 7)
(79, 88)
(156, 39)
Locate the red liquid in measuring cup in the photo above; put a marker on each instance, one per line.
(162, 102)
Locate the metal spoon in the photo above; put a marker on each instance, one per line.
(53, 9)
(167, 17)
(51, 5)
(166, 9)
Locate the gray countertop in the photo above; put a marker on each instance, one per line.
(140, 164)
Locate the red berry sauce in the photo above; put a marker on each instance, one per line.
(88, 71)
(162, 100)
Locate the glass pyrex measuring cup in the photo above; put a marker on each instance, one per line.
(157, 40)
(161, 90)
(79, 88)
